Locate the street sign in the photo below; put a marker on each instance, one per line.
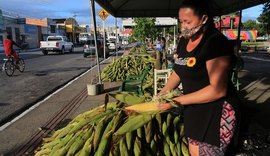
(103, 14)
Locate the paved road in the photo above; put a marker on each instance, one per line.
(43, 74)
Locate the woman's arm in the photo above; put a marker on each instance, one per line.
(172, 83)
(218, 70)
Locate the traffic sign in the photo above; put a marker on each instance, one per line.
(103, 14)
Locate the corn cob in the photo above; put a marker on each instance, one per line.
(133, 123)
(159, 120)
(176, 121)
(105, 140)
(98, 132)
(184, 148)
(118, 120)
(45, 151)
(176, 136)
(181, 130)
(62, 151)
(140, 133)
(76, 146)
(152, 107)
(80, 140)
(87, 147)
(153, 146)
(123, 147)
(137, 147)
(149, 132)
(128, 98)
(129, 140)
(166, 148)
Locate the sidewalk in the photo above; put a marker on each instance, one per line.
(255, 97)
(22, 134)
(18, 138)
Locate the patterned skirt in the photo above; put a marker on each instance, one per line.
(227, 128)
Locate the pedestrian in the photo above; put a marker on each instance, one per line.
(163, 44)
(8, 46)
(158, 45)
(203, 67)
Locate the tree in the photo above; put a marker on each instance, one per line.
(144, 28)
(264, 19)
(253, 25)
(250, 24)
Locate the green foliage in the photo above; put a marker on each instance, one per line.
(264, 19)
(250, 24)
(144, 28)
(131, 39)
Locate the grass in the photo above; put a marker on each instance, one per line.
(252, 44)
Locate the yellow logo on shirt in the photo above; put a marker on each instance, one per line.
(191, 61)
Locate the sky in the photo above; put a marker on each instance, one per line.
(80, 9)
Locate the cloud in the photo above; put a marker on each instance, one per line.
(54, 9)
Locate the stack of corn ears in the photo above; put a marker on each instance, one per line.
(125, 66)
(112, 132)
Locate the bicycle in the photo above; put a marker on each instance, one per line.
(10, 64)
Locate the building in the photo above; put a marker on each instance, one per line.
(160, 22)
(72, 28)
(25, 31)
(227, 22)
(228, 25)
(30, 31)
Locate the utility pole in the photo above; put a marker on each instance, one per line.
(116, 35)
(104, 40)
(74, 28)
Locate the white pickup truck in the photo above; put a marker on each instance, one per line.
(56, 44)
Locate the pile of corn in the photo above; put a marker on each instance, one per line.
(138, 50)
(125, 66)
(109, 130)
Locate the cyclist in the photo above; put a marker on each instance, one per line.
(8, 46)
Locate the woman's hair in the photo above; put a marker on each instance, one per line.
(200, 8)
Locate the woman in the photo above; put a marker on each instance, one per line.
(205, 59)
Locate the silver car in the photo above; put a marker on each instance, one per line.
(89, 48)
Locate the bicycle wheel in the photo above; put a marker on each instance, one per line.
(9, 67)
(21, 65)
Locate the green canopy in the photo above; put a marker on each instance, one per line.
(169, 8)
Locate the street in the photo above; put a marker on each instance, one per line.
(42, 75)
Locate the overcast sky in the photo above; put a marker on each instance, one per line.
(78, 8)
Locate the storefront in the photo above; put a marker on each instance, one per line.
(1, 30)
(32, 31)
(10, 26)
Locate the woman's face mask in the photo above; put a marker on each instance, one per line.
(189, 33)
(187, 18)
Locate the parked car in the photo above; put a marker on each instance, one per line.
(89, 48)
(112, 45)
(57, 43)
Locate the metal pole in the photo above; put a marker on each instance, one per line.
(95, 37)
(174, 39)
(238, 44)
(116, 50)
(104, 40)
(164, 35)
